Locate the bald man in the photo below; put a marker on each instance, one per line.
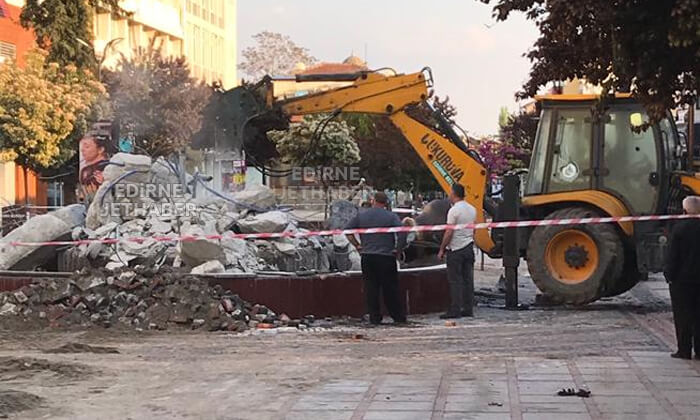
(683, 275)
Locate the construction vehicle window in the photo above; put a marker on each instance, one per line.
(672, 148)
(571, 152)
(538, 163)
(630, 159)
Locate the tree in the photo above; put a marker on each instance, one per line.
(44, 109)
(388, 160)
(317, 142)
(499, 157)
(519, 132)
(64, 27)
(274, 54)
(648, 47)
(503, 116)
(157, 100)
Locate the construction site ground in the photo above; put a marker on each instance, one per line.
(501, 364)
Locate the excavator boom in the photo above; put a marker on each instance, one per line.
(443, 152)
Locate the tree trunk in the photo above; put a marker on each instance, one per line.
(26, 191)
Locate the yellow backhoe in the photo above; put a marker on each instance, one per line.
(586, 162)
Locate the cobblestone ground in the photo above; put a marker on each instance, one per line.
(500, 365)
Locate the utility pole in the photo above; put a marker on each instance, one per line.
(511, 252)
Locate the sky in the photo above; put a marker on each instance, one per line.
(476, 61)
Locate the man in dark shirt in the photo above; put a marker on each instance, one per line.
(683, 277)
(379, 251)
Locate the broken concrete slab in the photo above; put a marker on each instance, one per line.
(273, 221)
(341, 212)
(257, 196)
(200, 250)
(55, 226)
(209, 267)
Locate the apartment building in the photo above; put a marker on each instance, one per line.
(210, 40)
(204, 31)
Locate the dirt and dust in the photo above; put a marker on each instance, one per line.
(178, 374)
(259, 373)
(12, 368)
(12, 401)
(83, 348)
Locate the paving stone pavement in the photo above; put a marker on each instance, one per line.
(633, 385)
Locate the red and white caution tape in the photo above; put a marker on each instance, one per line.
(397, 229)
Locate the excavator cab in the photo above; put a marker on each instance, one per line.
(592, 163)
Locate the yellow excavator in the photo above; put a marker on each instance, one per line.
(587, 161)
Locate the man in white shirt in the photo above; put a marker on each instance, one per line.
(458, 246)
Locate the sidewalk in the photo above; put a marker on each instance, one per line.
(633, 385)
(499, 365)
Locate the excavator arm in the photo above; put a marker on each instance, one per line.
(444, 153)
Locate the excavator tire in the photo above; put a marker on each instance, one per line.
(630, 275)
(572, 264)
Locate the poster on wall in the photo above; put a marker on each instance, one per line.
(233, 175)
(95, 150)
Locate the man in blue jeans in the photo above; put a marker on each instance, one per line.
(379, 252)
(458, 246)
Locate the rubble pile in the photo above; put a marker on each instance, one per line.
(138, 299)
(140, 199)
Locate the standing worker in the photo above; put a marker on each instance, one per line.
(458, 246)
(683, 278)
(379, 252)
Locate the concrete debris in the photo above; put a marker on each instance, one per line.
(54, 226)
(140, 299)
(274, 221)
(144, 200)
(257, 196)
(210, 267)
(341, 212)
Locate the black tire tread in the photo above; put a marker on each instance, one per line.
(611, 255)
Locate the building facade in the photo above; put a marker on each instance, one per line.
(15, 41)
(204, 31)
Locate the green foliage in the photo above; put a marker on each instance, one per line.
(274, 54)
(155, 98)
(44, 108)
(305, 144)
(388, 160)
(503, 116)
(648, 47)
(61, 25)
(519, 132)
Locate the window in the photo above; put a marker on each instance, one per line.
(539, 157)
(8, 52)
(134, 36)
(190, 43)
(195, 7)
(102, 26)
(198, 46)
(571, 151)
(630, 158)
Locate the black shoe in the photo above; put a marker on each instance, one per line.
(678, 355)
(468, 314)
(450, 315)
(697, 357)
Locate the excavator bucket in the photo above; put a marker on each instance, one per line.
(243, 116)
